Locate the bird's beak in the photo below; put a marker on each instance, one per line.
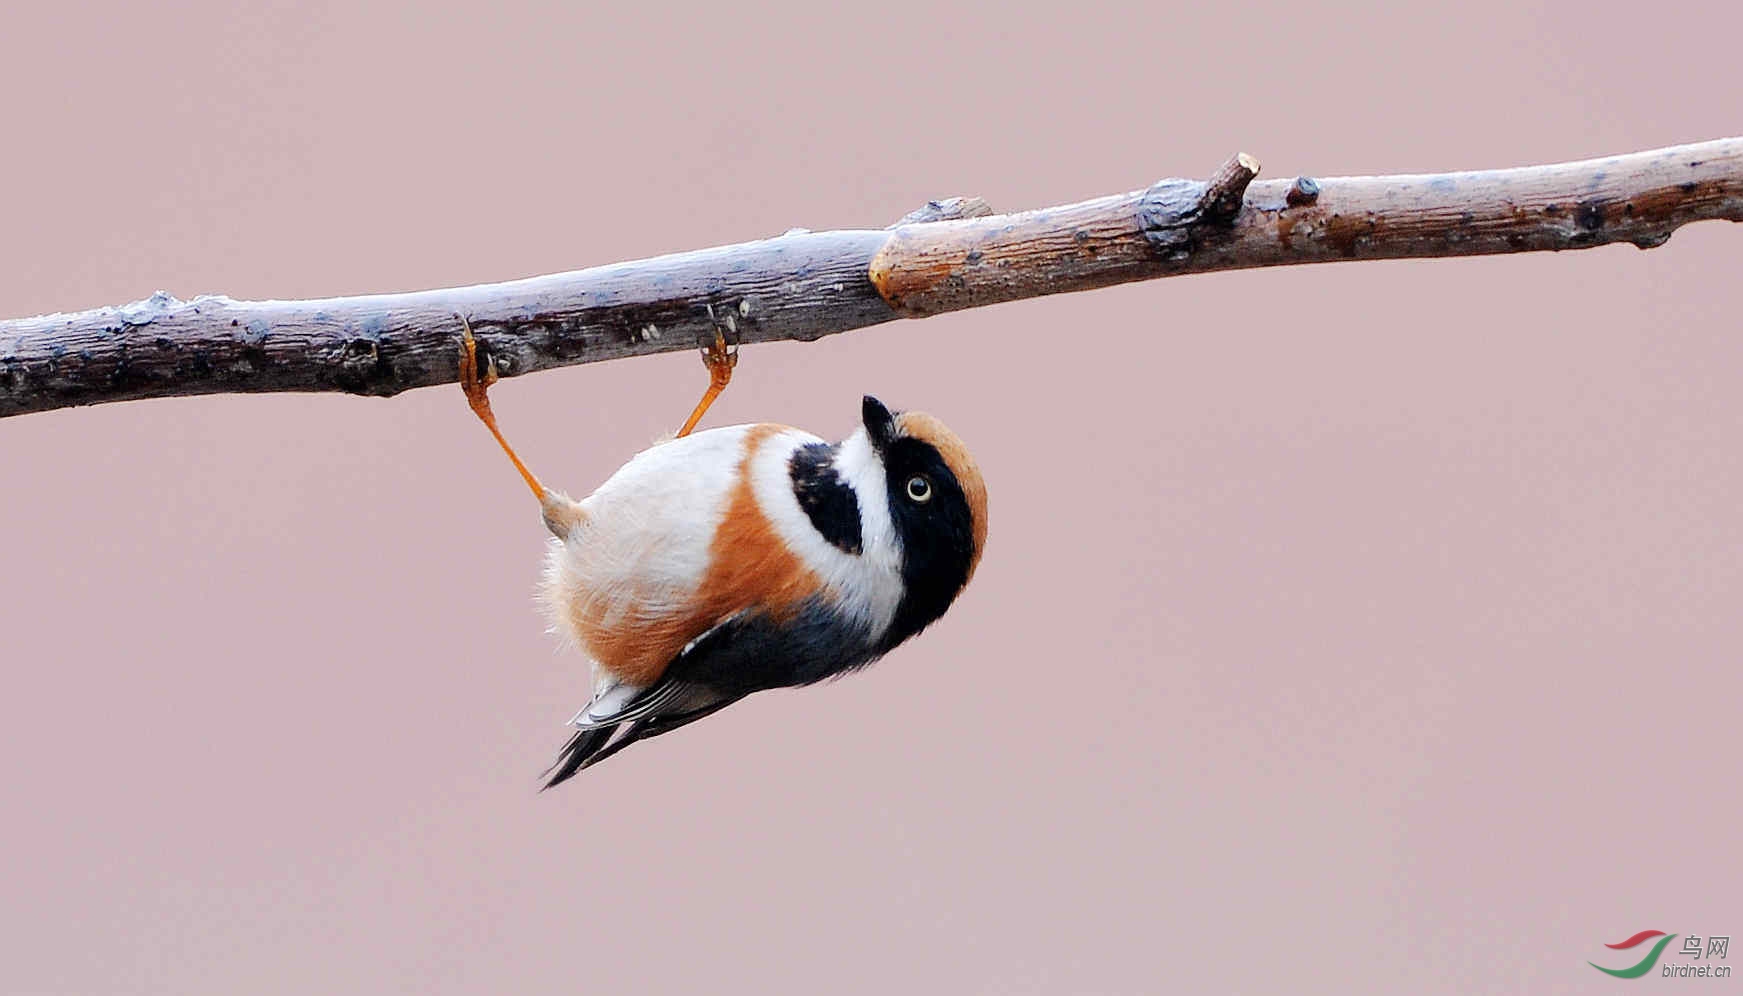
(880, 425)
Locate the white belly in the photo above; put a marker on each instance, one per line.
(646, 535)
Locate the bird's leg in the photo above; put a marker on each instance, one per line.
(719, 359)
(560, 511)
(477, 390)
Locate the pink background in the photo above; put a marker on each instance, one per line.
(1343, 629)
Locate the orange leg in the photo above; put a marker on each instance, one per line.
(476, 389)
(719, 360)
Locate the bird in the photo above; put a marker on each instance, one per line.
(721, 563)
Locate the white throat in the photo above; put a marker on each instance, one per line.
(862, 469)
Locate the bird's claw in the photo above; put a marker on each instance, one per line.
(720, 358)
(476, 387)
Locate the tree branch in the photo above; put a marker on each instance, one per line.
(951, 254)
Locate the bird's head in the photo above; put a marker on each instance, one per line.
(937, 506)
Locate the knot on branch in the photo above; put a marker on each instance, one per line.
(1304, 191)
(1173, 210)
(358, 367)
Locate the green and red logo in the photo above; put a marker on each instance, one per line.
(1645, 964)
(1690, 963)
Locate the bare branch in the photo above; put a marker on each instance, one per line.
(950, 255)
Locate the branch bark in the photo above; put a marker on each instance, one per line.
(951, 254)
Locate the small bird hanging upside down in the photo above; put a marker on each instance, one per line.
(751, 557)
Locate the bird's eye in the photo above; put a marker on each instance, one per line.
(920, 489)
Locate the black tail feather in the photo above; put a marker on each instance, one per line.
(589, 747)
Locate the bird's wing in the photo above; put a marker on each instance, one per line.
(615, 702)
(621, 714)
